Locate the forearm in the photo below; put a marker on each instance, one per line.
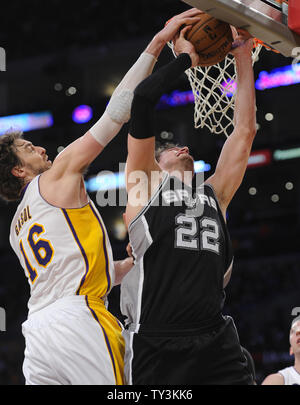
(149, 92)
(119, 108)
(245, 103)
(154, 86)
(156, 46)
(122, 267)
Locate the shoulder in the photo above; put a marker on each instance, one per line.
(274, 379)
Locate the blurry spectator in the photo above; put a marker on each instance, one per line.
(289, 375)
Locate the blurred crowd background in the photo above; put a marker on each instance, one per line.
(61, 55)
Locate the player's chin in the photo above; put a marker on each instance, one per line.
(188, 159)
(46, 166)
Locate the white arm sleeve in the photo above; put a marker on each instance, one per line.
(119, 107)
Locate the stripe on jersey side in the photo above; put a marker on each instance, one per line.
(89, 234)
(105, 337)
(80, 247)
(104, 245)
(141, 280)
(129, 347)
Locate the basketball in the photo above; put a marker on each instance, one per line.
(211, 38)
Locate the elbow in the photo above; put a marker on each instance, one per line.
(253, 130)
(248, 133)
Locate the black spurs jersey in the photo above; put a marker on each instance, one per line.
(182, 250)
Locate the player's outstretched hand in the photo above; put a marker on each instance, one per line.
(243, 42)
(182, 45)
(129, 250)
(173, 26)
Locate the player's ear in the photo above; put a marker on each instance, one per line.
(291, 351)
(18, 171)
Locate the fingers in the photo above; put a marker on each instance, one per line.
(190, 20)
(184, 17)
(184, 31)
(181, 34)
(183, 21)
(234, 31)
(243, 33)
(240, 34)
(129, 250)
(191, 12)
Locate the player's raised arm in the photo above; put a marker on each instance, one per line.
(78, 155)
(141, 139)
(235, 153)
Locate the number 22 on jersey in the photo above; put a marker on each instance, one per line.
(41, 248)
(187, 235)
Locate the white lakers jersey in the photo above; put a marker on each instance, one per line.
(290, 375)
(64, 252)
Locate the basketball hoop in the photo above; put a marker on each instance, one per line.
(214, 89)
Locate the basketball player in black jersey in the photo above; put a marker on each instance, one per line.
(173, 297)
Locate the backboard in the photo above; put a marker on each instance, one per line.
(259, 18)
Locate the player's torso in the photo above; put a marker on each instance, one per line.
(63, 251)
(182, 252)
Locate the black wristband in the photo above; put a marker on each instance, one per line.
(148, 93)
(154, 86)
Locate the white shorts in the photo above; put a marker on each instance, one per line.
(71, 343)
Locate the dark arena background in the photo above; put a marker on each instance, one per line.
(63, 60)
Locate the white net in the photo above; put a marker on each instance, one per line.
(214, 90)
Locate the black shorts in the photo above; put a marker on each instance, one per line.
(212, 358)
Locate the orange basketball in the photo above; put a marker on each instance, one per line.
(211, 38)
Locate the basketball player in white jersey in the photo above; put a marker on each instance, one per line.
(289, 375)
(62, 244)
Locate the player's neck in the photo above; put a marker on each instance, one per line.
(186, 176)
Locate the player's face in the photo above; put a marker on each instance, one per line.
(34, 158)
(176, 158)
(295, 338)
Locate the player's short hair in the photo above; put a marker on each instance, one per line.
(295, 320)
(10, 185)
(161, 147)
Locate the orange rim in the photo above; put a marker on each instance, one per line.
(257, 42)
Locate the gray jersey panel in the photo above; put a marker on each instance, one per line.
(132, 284)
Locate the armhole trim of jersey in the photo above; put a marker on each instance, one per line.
(55, 206)
(164, 180)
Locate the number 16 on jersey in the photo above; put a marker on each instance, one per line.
(41, 248)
